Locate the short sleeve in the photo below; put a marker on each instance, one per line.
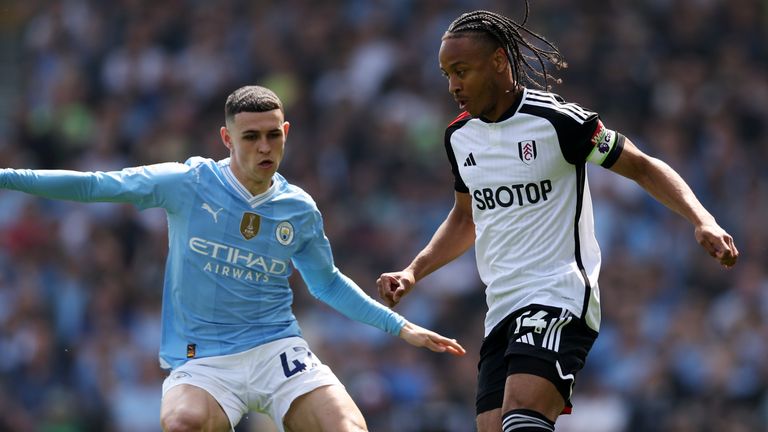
(458, 182)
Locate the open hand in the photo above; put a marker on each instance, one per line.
(421, 337)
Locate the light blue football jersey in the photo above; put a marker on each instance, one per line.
(230, 253)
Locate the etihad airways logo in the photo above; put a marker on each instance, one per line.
(235, 257)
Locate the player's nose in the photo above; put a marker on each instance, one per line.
(454, 86)
(262, 146)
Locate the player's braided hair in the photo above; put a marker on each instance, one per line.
(511, 36)
(251, 99)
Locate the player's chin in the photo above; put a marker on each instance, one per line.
(473, 111)
(267, 170)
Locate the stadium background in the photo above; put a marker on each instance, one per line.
(94, 85)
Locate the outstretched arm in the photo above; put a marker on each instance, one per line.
(139, 185)
(346, 297)
(666, 185)
(454, 236)
(326, 283)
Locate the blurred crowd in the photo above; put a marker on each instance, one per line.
(92, 85)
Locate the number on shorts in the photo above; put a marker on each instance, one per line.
(542, 331)
(297, 366)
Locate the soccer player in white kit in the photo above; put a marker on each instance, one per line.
(236, 230)
(519, 161)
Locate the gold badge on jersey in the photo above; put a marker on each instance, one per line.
(249, 225)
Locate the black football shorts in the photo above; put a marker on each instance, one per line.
(545, 341)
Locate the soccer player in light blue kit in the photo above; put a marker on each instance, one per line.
(236, 229)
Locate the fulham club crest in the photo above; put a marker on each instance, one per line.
(527, 151)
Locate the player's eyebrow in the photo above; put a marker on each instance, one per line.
(453, 65)
(267, 129)
(259, 131)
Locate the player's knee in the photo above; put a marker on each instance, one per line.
(524, 420)
(182, 420)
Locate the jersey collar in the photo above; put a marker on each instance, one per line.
(253, 200)
(509, 112)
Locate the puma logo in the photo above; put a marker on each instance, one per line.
(215, 214)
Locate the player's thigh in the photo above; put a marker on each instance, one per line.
(530, 361)
(527, 392)
(532, 392)
(187, 407)
(489, 421)
(324, 409)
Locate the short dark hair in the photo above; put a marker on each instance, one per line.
(509, 35)
(251, 99)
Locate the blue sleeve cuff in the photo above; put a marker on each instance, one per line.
(344, 295)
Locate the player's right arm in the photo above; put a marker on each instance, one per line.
(143, 186)
(454, 236)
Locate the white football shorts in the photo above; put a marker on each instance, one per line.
(266, 378)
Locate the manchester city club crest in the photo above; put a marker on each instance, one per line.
(249, 225)
(284, 233)
(527, 151)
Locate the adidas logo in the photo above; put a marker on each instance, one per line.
(470, 160)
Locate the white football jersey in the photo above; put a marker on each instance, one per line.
(526, 175)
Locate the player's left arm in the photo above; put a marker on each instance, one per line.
(326, 283)
(669, 188)
(344, 295)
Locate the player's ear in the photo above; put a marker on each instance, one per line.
(286, 126)
(225, 137)
(499, 59)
